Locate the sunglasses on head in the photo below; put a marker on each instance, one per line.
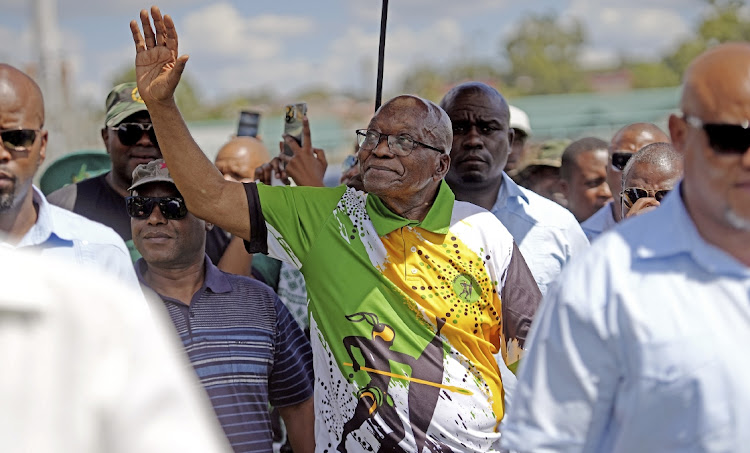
(18, 140)
(724, 138)
(619, 160)
(130, 133)
(633, 194)
(172, 208)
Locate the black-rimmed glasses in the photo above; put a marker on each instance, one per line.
(400, 145)
(18, 140)
(724, 138)
(172, 208)
(130, 133)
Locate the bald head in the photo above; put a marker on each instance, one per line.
(635, 136)
(434, 124)
(239, 157)
(717, 84)
(659, 158)
(16, 85)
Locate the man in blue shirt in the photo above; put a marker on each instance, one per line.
(546, 233)
(245, 346)
(642, 345)
(26, 219)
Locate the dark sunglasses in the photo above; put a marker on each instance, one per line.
(18, 140)
(724, 138)
(130, 133)
(633, 194)
(172, 208)
(619, 160)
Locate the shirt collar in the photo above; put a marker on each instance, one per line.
(44, 228)
(508, 189)
(673, 232)
(437, 220)
(215, 280)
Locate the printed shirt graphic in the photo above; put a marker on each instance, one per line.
(405, 317)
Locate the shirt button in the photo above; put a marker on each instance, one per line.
(413, 271)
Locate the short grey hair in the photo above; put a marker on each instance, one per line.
(658, 154)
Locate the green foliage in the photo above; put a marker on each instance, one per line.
(543, 54)
(653, 75)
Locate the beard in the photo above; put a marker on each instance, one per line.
(7, 197)
(735, 221)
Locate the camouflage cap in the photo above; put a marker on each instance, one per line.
(123, 101)
(154, 171)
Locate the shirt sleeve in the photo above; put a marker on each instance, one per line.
(285, 221)
(291, 380)
(520, 299)
(569, 376)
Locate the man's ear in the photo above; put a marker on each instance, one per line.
(443, 165)
(511, 136)
(678, 130)
(42, 147)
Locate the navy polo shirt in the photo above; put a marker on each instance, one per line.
(247, 351)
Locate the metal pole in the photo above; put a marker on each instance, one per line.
(381, 55)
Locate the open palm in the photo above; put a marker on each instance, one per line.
(157, 66)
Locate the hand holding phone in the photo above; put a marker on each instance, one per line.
(294, 113)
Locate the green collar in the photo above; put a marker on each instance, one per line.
(437, 220)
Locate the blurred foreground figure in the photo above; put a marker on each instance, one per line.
(641, 346)
(86, 371)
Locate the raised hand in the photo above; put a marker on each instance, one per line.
(158, 67)
(307, 166)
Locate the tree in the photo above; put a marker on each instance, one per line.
(723, 22)
(543, 55)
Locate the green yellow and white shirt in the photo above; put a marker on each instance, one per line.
(405, 316)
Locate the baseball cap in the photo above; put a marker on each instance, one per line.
(154, 171)
(519, 120)
(123, 101)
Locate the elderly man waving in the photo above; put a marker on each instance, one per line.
(410, 292)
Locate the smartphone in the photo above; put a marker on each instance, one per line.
(293, 123)
(248, 125)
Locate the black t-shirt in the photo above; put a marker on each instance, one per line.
(95, 199)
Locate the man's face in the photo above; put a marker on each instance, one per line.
(516, 150)
(719, 183)
(391, 176)
(125, 157)
(652, 178)
(164, 242)
(481, 140)
(19, 110)
(587, 191)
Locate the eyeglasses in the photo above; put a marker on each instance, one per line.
(400, 145)
(633, 194)
(172, 208)
(18, 140)
(130, 133)
(350, 161)
(619, 160)
(724, 138)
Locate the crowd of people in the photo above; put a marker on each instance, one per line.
(433, 301)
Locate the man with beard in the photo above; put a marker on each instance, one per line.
(640, 347)
(26, 219)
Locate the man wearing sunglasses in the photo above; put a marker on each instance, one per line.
(642, 345)
(406, 286)
(130, 140)
(624, 143)
(242, 341)
(648, 177)
(27, 220)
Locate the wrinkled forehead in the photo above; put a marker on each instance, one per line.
(419, 117)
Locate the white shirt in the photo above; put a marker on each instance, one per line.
(62, 234)
(642, 347)
(547, 234)
(602, 220)
(83, 371)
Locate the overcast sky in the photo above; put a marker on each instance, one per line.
(284, 45)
